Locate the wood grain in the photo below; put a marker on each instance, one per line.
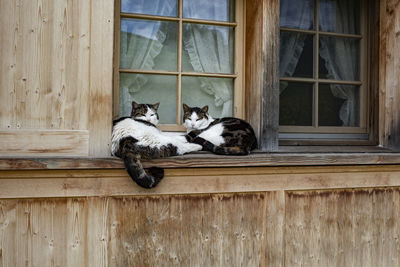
(102, 183)
(342, 228)
(56, 72)
(262, 76)
(202, 160)
(101, 77)
(389, 73)
(206, 230)
(44, 142)
(43, 71)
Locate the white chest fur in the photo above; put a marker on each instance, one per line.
(213, 134)
(148, 136)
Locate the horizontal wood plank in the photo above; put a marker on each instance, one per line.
(44, 143)
(200, 160)
(75, 183)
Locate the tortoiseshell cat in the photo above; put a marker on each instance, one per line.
(224, 136)
(137, 137)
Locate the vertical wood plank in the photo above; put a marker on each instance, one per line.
(204, 230)
(253, 70)
(101, 73)
(389, 72)
(8, 38)
(53, 232)
(97, 232)
(342, 228)
(275, 222)
(262, 72)
(270, 89)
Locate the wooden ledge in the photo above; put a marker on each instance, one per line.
(201, 160)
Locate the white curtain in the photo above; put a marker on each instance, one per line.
(341, 55)
(207, 49)
(140, 43)
(294, 14)
(210, 49)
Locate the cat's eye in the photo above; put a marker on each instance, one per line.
(198, 120)
(152, 115)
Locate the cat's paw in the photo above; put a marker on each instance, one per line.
(195, 147)
(189, 147)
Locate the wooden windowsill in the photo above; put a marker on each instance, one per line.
(287, 156)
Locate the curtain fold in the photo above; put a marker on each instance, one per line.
(210, 49)
(140, 43)
(293, 15)
(206, 47)
(341, 55)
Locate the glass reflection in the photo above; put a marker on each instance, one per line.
(208, 48)
(217, 93)
(339, 58)
(297, 14)
(150, 7)
(296, 104)
(221, 10)
(146, 44)
(342, 16)
(339, 105)
(149, 89)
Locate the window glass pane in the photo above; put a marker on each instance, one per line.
(208, 48)
(339, 58)
(296, 55)
(146, 44)
(222, 10)
(297, 14)
(149, 89)
(341, 16)
(217, 93)
(339, 105)
(150, 7)
(296, 104)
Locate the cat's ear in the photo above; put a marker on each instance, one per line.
(186, 108)
(134, 105)
(204, 109)
(156, 105)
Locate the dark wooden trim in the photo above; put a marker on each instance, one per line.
(202, 160)
(373, 70)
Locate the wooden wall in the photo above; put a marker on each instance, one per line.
(294, 216)
(55, 77)
(353, 227)
(389, 74)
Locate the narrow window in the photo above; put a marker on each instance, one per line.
(323, 69)
(175, 52)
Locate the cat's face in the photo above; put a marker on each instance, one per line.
(145, 112)
(195, 118)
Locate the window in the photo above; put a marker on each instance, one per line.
(175, 52)
(323, 69)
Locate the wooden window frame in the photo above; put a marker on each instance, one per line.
(237, 75)
(316, 81)
(262, 77)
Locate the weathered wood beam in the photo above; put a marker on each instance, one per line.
(262, 71)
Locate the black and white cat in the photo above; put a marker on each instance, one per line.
(137, 137)
(223, 136)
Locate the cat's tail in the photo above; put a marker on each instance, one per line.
(138, 174)
(222, 150)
